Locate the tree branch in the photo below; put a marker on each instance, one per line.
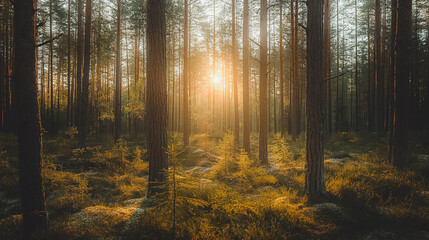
(337, 76)
(49, 41)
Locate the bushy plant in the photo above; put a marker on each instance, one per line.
(66, 191)
(380, 187)
(138, 165)
(8, 173)
(204, 142)
(281, 151)
(250, 175)
(227, 164)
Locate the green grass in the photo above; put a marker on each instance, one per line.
(97, 193)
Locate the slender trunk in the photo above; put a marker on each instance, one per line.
(356, 71)
(186, 120)
(282, 96)
(68, 64)
(235, 80)
(79, 63)
(294, 80)
(327, 121)
(85, 81)
(246, 104)
(118, 86)
(378, 74)
(370, 114)
(51, 72)
(263, 131)
(337, 97)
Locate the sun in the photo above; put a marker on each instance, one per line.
(216, 79)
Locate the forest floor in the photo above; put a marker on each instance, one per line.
(218, 192)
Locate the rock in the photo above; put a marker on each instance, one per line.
(267, 188)
(338, 161)
(423, 157)
(135, 218)
(205, 163)
(199, 170)
(204, 182)
(281, 201)
(380, 235)
(88, 174)
(333, 212)
(273, 169)
(134, 202)
(8, 205)
(198, 151)
(98, 220)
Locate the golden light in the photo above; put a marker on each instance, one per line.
(216, 79)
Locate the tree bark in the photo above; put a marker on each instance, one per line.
(28, 116)
(235, 80)
(356, 70)
(186, 120)
(156, 95)
(378, 71)
(399, 141)
(392, 76)
(68, 63)
(85, 81)
(327, 121)
(263, 131)
(315, 178)
(246, 94)
(79, 63)
(118, 86)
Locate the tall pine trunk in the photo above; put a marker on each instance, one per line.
(263, 130)
(327, 119)
(186, 120)
(156, 95)
(118, 75)
(378, 71)
(399, 140)
(246, 94)
(85, 81)
(79, 63)
(315, 177)
(235, 80)
(28, 116)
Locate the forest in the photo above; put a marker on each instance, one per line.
(214, 119)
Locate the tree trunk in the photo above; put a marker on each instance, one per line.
(28, 116)
(392, 76)
(399, 141)
(246, 94)
(295, 110)
(156, 95)
(315, 178)
(356, 70)
(378, 71)
(235, 80)
(68, 63)
(186, 120)
(337, 95)
(79, 63)
(282, 96)
(51, 72)
(85, 81)
(118, 87)
(327, 121)
(263, 131)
